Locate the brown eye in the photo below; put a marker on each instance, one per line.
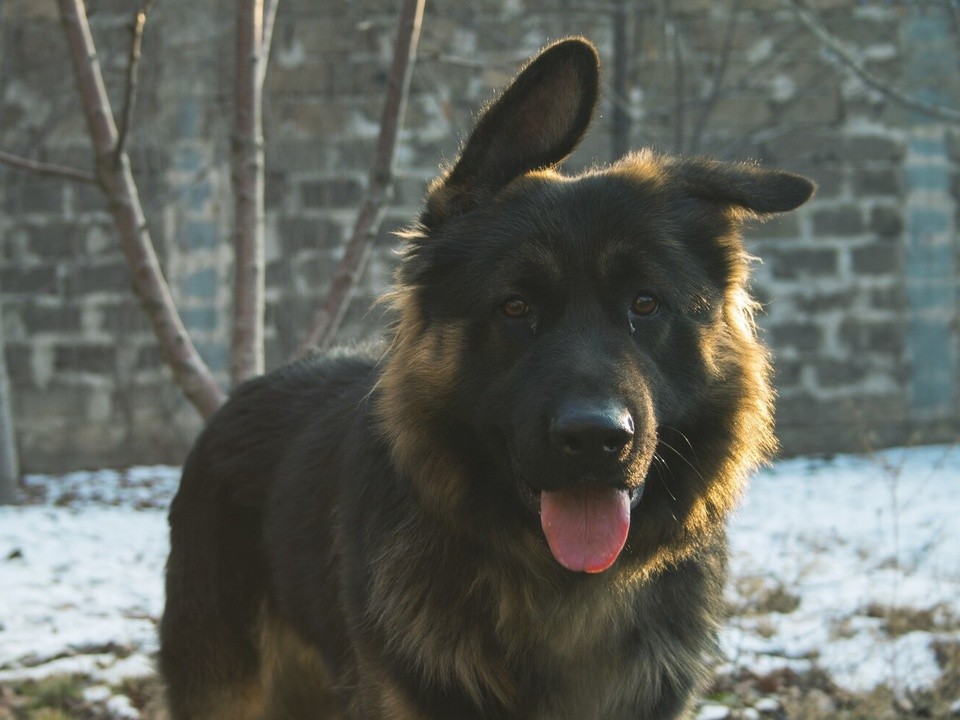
(515, 308)
(645, 304)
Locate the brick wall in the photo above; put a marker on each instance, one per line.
(860, 286)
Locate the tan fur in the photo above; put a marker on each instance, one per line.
(389, 700)
(239, 702)
(294, 677)
(421, 368)
(424, 625)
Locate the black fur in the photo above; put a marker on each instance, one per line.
(357, 535)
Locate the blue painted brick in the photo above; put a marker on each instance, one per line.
(189, 118)
(929, 147)
(197, 196)
(199, 234)
(188, 158)
(928, 31)
(925, 26)
(201, 319)
(928, 177)
(933, 362)
(925, 221)
(215, 355)
(202, 283)
(924, 295)
(931, 264)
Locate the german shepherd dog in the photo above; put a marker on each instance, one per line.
(515, 508)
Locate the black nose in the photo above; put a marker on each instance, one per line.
(591, 434)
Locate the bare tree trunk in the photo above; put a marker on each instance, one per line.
(246, 158)
(673, 36)
(116, 180)
(716, 88)
(9, 463)
(622, 52)
(133, 74)
(357, 252)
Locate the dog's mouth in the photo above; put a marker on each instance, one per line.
(531, 498)
(586, 525)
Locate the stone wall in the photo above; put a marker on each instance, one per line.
(859, 287)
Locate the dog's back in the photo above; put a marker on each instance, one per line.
(220, 644)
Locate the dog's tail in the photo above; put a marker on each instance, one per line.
(209, 653)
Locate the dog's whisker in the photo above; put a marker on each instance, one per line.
(683, 437)
(680, 455)
(661, 466)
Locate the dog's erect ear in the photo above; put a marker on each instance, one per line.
(535, 123)
(754, 188)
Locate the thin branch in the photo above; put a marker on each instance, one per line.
(357, 252)
(672, 27)
(42, 168)
(247, 162)
(954, 15)
(130, 89)
(502, 61)
(116, 180)
(622, 51)
(841, 53)
(9, 460)
(774, 128)
(269, 22)
(717, 81)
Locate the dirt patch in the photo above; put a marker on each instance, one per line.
(77, 697)
(760, 596)
(900, 620)
(780, 695)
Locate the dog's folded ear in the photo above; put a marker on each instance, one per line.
(752, 187)
(535, 123)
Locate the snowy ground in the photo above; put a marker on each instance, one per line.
(81, 574)
(850, 565)
(868, 549)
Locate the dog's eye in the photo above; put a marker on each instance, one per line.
(645, 304)
(515, 308)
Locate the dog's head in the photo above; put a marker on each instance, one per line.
(580, 347)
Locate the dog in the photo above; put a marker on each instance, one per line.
(515, 507)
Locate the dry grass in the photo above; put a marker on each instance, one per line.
(814, 696)
(900, 620)
(760, 596)
(60, 697)
(809, 695)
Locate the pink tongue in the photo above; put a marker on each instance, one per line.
(586, 527)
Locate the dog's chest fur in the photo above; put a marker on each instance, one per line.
(517, 643)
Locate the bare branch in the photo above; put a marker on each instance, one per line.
(42, 168)
(846, 58)
(247, 162)
(357, 252)
(954, 15)
(269, 22)
(672, 28)
(9, 460)
(502, 61)
(773, 128)
(703, 115)
(189, 370)
(130, 89)
(622, 51)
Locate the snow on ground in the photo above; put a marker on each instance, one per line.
(851, 565)
(856, 540)
(81, 574)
